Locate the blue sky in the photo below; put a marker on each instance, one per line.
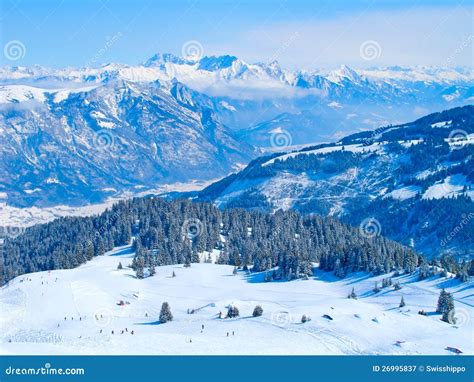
(304, 34)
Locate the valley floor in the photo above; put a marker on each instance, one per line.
(64, 312)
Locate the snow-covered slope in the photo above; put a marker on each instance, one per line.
(75, 311)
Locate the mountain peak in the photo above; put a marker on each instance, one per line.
(212, 63)
(346, 71)
(163, 58)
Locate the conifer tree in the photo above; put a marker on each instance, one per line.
(376, 288)
(352, 295)
(258, 311)
(402, 303)
(152, 270)
(442, 299)
(233, 311)
(447, 309)
(165, 313)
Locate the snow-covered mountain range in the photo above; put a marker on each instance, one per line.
(246, 95)
(412, 183)
(77, 135)
(87, 145)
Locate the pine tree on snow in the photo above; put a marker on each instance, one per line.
(352, 295)
(376, 288)
(139, 266)
(258, 311)
(402, 303)
(441, 302)
(165, 313)
(233, 311)
(448, 309)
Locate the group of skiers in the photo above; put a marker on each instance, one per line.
(132, 332)
(72, 318)
(202, 329)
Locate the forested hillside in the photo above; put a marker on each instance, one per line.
(415, 180)
(176, 232)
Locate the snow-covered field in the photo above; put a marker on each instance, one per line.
(64, 312)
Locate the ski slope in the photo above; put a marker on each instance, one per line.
(33, 309)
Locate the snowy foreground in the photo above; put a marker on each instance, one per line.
(32, 309)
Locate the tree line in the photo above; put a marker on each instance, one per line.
(176, 232)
